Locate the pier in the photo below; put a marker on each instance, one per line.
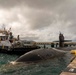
(71, 68)
(56, 44)
(60, 43)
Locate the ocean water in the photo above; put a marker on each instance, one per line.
(46, 67)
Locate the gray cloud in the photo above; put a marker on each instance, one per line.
(31, 3)
(40, 20)
(44, 18)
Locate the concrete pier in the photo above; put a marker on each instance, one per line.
(56, 44)
(71, 68)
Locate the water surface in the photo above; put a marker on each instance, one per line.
(46, 67)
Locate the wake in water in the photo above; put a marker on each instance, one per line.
(49, 67)
(57, 62)
(52, 66)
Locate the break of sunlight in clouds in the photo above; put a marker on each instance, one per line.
(39, 20)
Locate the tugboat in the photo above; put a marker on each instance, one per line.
(11, 45)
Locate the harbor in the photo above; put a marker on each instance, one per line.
(33, 51)
(37, 37)
(11, 45)
(37, 52)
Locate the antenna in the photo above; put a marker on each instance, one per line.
(59, 32)
(3, 26)
(10, 29)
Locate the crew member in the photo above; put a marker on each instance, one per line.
(11, 37)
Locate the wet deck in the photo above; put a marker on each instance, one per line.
(71, 68)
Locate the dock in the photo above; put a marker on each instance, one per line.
(71, 68)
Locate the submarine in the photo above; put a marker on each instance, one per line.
(39, 54)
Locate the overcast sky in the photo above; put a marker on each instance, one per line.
(39, 20)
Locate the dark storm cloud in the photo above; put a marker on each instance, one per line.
(39, 14)
(31, 3)
(40, 20)
(9, 3)
(43, 15)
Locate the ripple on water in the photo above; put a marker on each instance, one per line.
(47, 67)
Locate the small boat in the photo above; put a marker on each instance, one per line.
(11, 45)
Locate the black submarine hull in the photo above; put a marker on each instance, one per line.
(39, 54)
